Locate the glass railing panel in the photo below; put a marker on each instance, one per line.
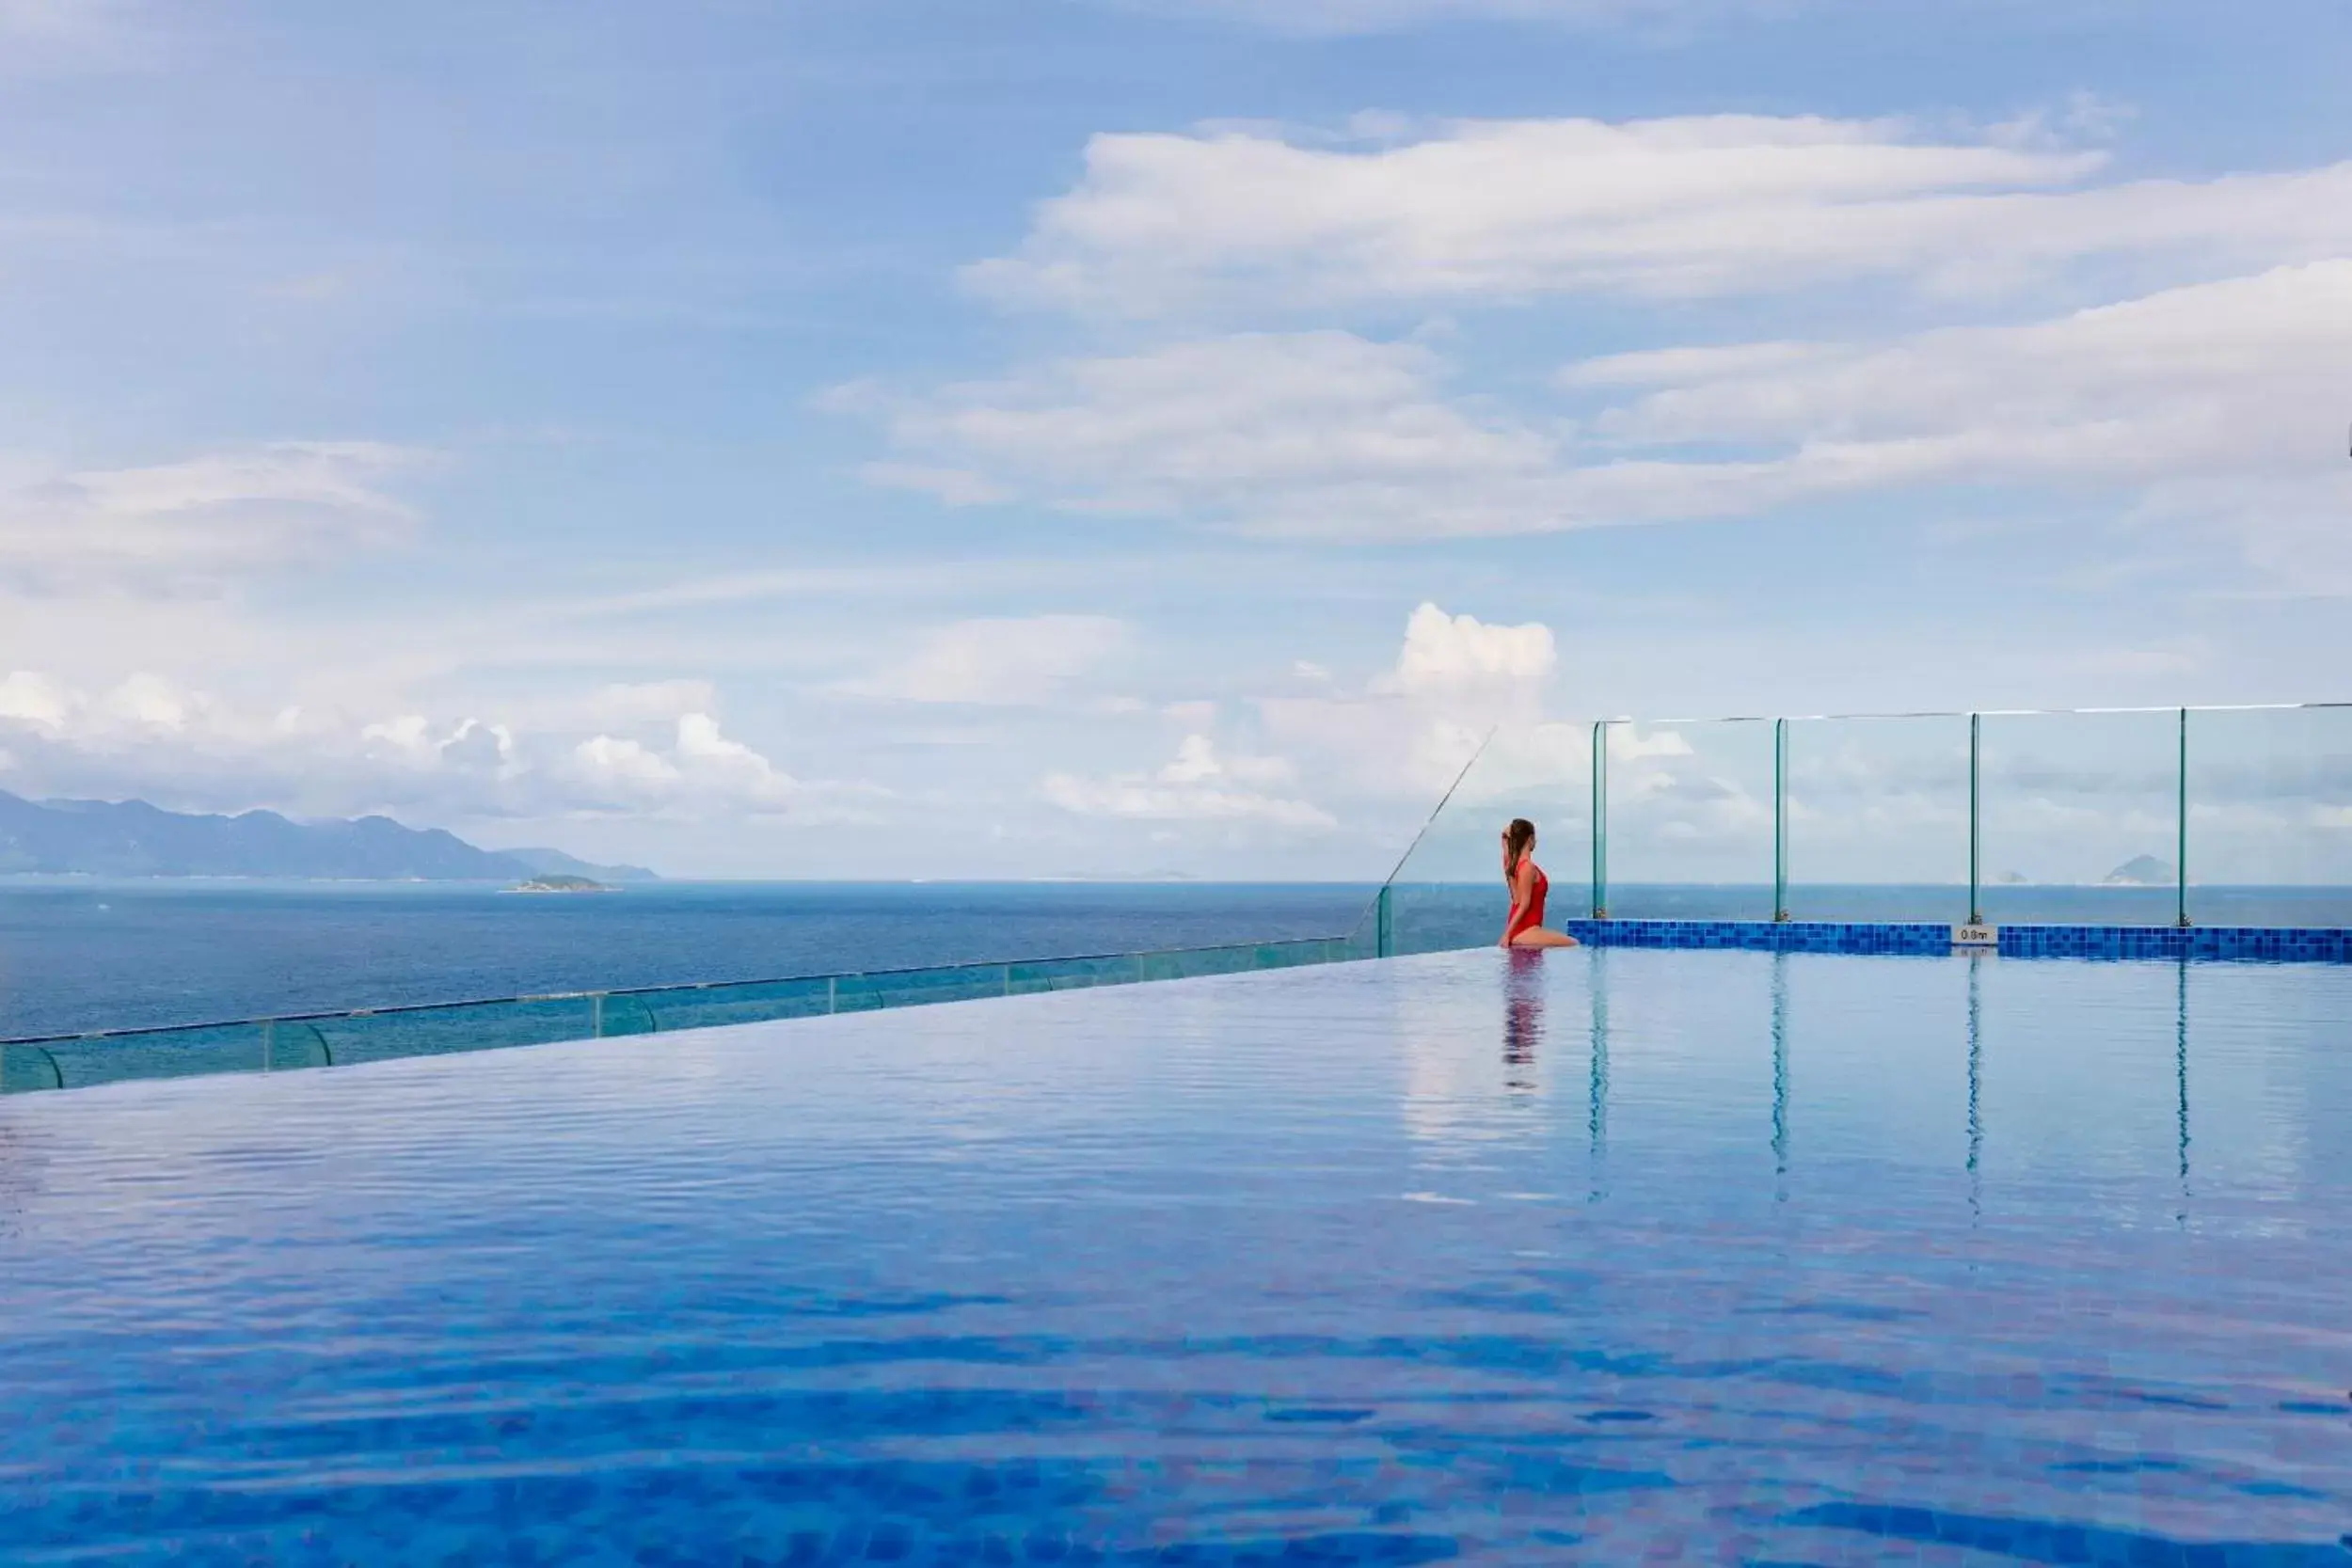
(2079, 818)
(2270, 817)
(1050, 974)
(1878, 818)
(668, 1008)
(348, 1038)
(354, 1037)
(1449, 892)
(1295, 955)
(915, 987)
(1203, 962)
(291, 1044)
(80, 1064)
(28, 1070)
(1689, 820)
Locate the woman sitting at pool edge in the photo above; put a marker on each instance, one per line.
(1529, 886)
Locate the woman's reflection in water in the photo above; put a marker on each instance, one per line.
(1522, 1018)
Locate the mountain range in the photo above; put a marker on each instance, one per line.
(130, 838)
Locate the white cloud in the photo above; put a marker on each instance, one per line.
(728, 768)
(1316, 434)
(1444, 652)
(470, 748)
(1714, 205)
(204, 518)
(615, 770)
(2167, 403)
(28, 698)
(148, 738)
(2183, 379)
(1198, 786)
(703, 772)
(1406, 731)
(2204, 403)
(1003, 660)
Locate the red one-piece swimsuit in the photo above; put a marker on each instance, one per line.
(1533, 915)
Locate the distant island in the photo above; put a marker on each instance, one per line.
(2143, 871)
(130, 838)
(560, 884)
(555, 862)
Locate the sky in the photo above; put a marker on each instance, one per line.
(1079, 437)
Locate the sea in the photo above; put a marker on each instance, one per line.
(84, 954)
(80, 954)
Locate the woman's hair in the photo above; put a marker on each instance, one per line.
(1516, 838)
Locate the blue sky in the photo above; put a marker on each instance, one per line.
(902, 440)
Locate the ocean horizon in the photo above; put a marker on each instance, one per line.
(80, 954)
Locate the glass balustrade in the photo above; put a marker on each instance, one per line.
(2207, 817)
(342, 1039)
(1875, 818)
(1448, 891)
(1690, 819)
(2214, 817)
(2079, 818)
(2269, 793)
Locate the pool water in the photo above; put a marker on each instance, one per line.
(1590, 1256)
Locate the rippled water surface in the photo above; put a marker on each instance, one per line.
(1590, 1256)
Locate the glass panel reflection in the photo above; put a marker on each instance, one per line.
(1449, 892)
(2270, 817)
(1689, 820)
(1878, 818)
(2080, 818)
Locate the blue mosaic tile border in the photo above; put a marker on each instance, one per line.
(2268, 944)
(1796, 935)
(2255, 943)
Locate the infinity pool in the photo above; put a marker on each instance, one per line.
(1594, 1256)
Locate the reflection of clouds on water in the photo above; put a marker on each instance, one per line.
(1522, 1020)
(1434, 1026)
(17, 1179)
(1474, 1062)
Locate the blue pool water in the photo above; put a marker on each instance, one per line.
(1597, 1257)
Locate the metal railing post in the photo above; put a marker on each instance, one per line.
(1601, 820)
(1780, 820)
(1383, 925)
(1976, 838)
(2179, 899)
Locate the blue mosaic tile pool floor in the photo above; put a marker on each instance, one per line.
(1589, 1256)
